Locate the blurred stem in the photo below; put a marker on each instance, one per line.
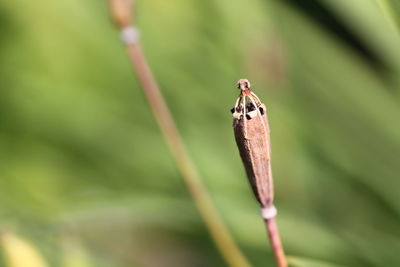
(183, 161)
(197, 190)
(275, 240)
(388, 12)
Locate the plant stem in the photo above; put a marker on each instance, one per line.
(216, 227)
(275, 240)
(190, 176)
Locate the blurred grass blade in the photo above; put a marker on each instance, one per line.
(303, 262)
(215, 225)
(74, 254)
(20, 253)
(365, 20)
(391, 10)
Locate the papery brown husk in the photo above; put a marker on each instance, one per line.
(252, 139)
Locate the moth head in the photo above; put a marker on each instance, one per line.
(243, 84)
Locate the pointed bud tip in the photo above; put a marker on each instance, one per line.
(243, 84)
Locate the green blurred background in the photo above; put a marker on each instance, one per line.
(87, 180)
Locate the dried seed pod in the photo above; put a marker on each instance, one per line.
(252, 138)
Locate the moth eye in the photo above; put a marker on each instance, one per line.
(232, 110)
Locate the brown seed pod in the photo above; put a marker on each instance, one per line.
(251, 130)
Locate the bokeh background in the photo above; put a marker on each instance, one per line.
(87, 180)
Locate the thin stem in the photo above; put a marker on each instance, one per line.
(190, 176)
(275, 240)
(216, 227)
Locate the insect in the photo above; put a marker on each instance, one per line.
(252, 134)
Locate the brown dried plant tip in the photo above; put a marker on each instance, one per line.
(251, 130)
(252, 134)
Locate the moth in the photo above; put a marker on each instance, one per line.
(252, 134)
